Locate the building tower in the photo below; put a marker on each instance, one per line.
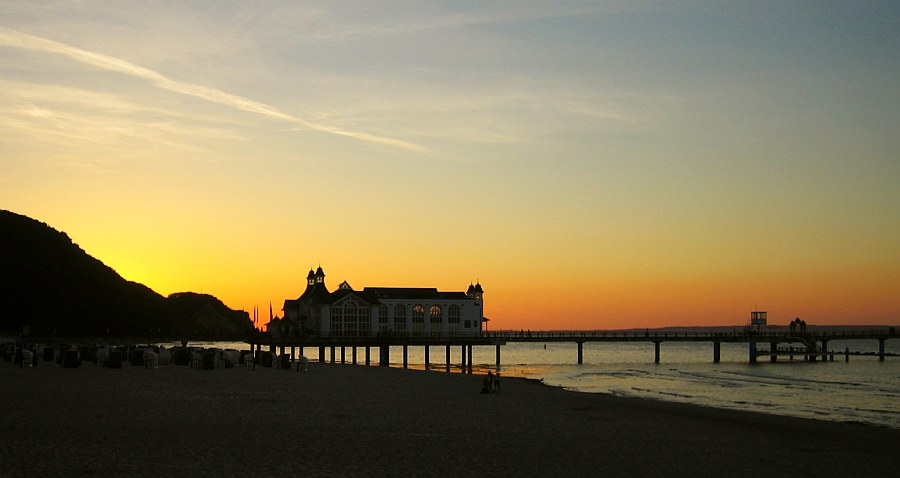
(476, 293)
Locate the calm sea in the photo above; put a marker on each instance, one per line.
(861, 390)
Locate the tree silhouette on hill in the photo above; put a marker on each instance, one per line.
(49, 284)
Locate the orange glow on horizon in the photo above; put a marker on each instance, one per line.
(860, 299)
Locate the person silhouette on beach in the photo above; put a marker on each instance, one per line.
(487, 383)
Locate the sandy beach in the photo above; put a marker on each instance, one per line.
(352, 420)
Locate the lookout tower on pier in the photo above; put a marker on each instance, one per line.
(758, 318)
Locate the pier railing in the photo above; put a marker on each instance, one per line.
(737, 335)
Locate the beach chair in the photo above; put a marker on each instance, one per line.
(151, 359)
(27, 359)
(196, 359)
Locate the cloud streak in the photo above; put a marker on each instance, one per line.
(16, 39)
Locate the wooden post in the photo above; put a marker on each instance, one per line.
(580, 352)
(332, 354)
(881, 350)
(656, 352)
(368, 356)
(752, 352)
(470, 358)
(498, 356)
(846, 354)
(462, 358)
(717, 352)
(427, 356)
(384, 355)
(773, 347)
(448, 357)
(405, 356)
(343, 354)
(354, 355)
(321, 354)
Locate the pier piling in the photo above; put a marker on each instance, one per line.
(813, 345)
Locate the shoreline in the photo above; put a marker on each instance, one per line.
(384, 421)
(826, 415)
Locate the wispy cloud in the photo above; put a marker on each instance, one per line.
(348, 20)
(16, 39)
(79, 116)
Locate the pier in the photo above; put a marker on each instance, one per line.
(808, 346)
(811, 346)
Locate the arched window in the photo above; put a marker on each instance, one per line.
(453, 314)
(399, 318)
(350, 319)
(418, 315)
(435, 313)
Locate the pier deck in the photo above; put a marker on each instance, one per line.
(811, 344)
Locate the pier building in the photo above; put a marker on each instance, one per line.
(379, 311)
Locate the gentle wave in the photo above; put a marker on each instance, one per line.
(863, 390)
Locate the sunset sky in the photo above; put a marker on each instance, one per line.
(594, 165)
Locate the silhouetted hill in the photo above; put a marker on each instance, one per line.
(53, 286)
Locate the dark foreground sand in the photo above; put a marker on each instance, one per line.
(351, 420)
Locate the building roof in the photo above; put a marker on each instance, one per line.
(415, 293)
(366, 297)
(315, 293)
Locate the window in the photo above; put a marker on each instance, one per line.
(453, 314)
(337, 320)
(382, 314)
(399, 318)
(351, 312)
(350, 319)
(435, 313)
(418, 315)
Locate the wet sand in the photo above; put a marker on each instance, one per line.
(351, 420)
